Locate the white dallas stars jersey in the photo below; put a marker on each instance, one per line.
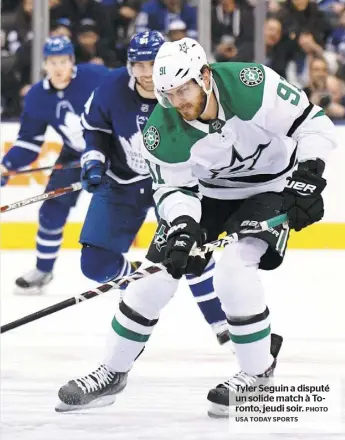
(264, 126)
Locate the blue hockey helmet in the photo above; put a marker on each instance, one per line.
(58, 45)
(144, 46)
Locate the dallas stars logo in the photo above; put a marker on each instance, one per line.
(251, 76)
(184, 48)
(151, 138)
(239, 163)
(160, 239)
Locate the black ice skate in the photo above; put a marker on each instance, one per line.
(221, 330)
(33, 282)
(95, 390)
(227, 393)
(223, 337)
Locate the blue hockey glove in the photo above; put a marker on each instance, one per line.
(93, 170)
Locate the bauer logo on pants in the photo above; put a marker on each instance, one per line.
(151, 138)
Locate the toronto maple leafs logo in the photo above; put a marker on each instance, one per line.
(73, 131)
(239, 163)
(132, 150)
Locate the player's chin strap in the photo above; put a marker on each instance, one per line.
(121, 283)
(208, 91)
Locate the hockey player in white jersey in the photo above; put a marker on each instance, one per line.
(229, 142)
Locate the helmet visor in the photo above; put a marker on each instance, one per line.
(181, 95)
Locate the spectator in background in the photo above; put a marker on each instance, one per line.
(332, 9)
(336, 89)
(9, 5)
(17, 26)
(61, 26)
(337, 36)
(177, 30)
(304, 22)
(274, 6)
(108, 2)
(280, 48)
(158, 14)
(124, 13)
(336, 45)
(77, 10)
(232, 31)
(90, 48)
(337, 6)
(325, 90)
(316, 89)
(303, 16)
(16, 36)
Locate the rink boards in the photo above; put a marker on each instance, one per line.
(18, 228)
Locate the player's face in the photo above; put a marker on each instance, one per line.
(188, 99)
(142, 70)
(59, 69)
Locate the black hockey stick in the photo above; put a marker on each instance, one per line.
(253, 227)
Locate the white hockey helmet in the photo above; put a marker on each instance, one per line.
(176, 63)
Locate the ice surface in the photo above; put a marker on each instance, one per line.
(166, 395)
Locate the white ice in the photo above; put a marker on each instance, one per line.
(166, 395)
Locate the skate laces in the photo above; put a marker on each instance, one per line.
(97, 379)
(239, 379)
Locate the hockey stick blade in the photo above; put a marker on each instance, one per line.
(137, 275)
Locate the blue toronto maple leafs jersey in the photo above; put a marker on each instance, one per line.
(61, 109)
(114, 118)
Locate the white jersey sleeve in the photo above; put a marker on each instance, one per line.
(175, 189)
(286, 110)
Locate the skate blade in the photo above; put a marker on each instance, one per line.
(28, 291)
(217, 411)
(98, 403)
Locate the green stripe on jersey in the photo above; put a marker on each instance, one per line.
(253, 337)
(319, 113)
(165, 195)
(128, 334)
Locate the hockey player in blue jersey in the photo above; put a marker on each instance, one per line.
(57, 101)
(115, 171)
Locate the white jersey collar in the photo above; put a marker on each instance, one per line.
(131, 82)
